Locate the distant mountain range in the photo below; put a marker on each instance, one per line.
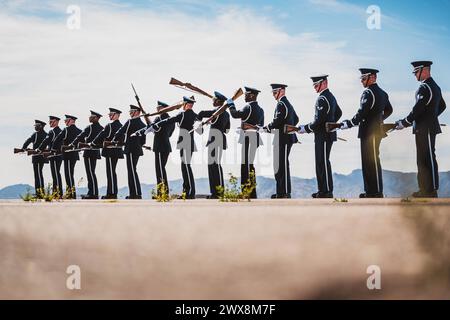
(396, 184)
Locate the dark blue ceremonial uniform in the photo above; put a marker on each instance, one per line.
(111, 155)
(90, 155)
(55, 160)
(253, 114)
(70, 158)
(132, 151)
(284, 115)
(37, 160)
(375, 108)
(217, 142)
(326, 110)
(186, 145)
(424, 119)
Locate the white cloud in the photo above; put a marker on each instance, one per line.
(48, 69)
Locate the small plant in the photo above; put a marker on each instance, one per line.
(70, 193)
(162, 193)
(233, 193)
(28, 196)
(47, 194)
(341, 200)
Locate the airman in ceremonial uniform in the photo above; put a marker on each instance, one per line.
(70, 157)
(424, 119)
(133, 149)
(252, 114)
(55, 160)
(216, 143)
(327, 110)
(375, 108)
(282, 143)
(38, 160)
(90, 155)
(111, 154)
(186, 144)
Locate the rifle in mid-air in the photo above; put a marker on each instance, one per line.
(175, 106)
(218, 112)
(145, 115)
(189, 87)
(290, 129)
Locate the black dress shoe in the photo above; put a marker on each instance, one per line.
(371, 195)
(89, 197)
(213, 196)
(274, 196)
(109, 196)
(424, 194)
(133, 197)
(322, 195)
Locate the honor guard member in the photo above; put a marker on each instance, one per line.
(282, 143)
(70, 157)
(216, 143)
(90, 155)
(375, 107)
(161, 145)
(133, 149)
(253, 114)
(326, 110)
(55, 160)
(38, 160)
(424, 119)
(185, 144)
(111, 154)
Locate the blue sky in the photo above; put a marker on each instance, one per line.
(219, 45)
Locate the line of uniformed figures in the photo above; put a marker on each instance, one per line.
(375, 107)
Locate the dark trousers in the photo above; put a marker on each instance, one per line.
(111, 176)
(90, 164)
(160, 168)
(371, 166)
(69, 167)
(134, 184)
(55, 168)
(324, 174)
(215, 171)
(282, 168)
(247, 164)
(427, 167)
(38, 177)
(188, 176)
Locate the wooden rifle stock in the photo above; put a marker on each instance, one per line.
(112, 144)
(175, 106)
(290, 129)
(247, 126)
(65, 148)
(18, 150)
(33, 152)
(82, 145)
(331, 126)
(189, 87)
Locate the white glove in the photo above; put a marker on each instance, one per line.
(150, 129)
(301, 130)
(264, 129)
(134, 134)
(230, 101)
(400, 125)
(344, 125)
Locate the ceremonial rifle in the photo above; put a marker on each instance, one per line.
(189, 87)
(20, 150)
(218, 112)
(290, 129)
(146, 117)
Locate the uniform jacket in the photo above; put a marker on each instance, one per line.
(327, 110)
(66, 137)
(133, 144)
(375, 107)
(87, 136)
(161, 140)
(429, 105)
(253, 114)
(36, 139)
(219, 124)
(49, 140)
(107, 134)
(185, 120)
(284, 114)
